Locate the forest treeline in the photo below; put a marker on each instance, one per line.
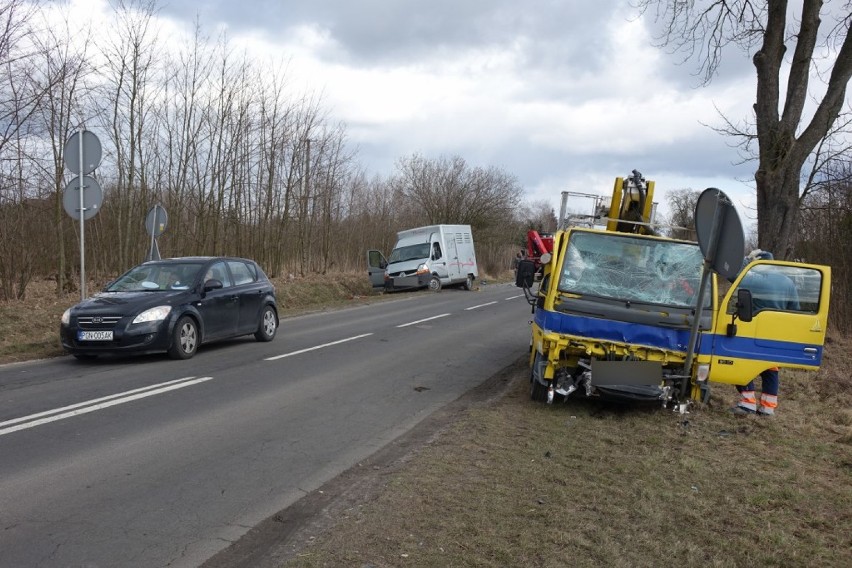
(242, 164)
(246, 165)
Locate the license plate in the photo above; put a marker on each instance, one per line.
(94, 335)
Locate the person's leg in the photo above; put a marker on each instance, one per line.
(769, 391)
(747, 402)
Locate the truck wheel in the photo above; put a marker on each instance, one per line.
(435, 284)
(538, 392)
(468, 283)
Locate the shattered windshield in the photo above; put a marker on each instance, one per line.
(411, 252)
(634, 269)
(154, 277)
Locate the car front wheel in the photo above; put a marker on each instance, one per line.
(184, 339)
(268, 325)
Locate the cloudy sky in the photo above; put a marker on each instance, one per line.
(566, 95)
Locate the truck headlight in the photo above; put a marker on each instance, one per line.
(154, 314)
(423, 269)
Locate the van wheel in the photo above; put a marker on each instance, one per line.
(468, 283)
(435, 284)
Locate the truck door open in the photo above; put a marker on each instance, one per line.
(376, 264)
(788, 316)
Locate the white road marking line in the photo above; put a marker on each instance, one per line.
(513, 297)
(480, 306)
(300, 351)
(97, 404)
(421, 321)
(93, 401)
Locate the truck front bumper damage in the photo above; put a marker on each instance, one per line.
(565, 366)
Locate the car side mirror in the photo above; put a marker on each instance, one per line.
(212, 284)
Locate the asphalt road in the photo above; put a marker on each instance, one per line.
(152, 462)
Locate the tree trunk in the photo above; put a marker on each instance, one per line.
(778, 209)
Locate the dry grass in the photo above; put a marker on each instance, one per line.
(589, 484)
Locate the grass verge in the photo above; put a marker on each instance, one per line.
(589, 484)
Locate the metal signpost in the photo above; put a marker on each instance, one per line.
(721, 240)
(155, 223)
(82, 155)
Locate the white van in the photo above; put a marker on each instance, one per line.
(434, 256)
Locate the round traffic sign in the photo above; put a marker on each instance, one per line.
(156, 220)
(93, 197)
(720, 233)
(91, 152)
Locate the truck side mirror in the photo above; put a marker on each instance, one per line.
(526, 274)
(744, 305)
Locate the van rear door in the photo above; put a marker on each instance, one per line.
(787, 327)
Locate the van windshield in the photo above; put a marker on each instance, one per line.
(411, 252)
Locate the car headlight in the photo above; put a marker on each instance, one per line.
(66, 316)
(154, 314)
(423, 268)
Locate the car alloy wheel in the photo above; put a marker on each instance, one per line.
(268, 325)
(185, 339)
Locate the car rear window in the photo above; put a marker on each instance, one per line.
(241, 272)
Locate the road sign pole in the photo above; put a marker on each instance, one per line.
(82, 226)
(81, 207)
(153, 233)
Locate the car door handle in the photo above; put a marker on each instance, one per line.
(810, 350)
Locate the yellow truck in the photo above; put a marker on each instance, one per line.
(617, 313)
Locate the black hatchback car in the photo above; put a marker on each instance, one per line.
(173, 305)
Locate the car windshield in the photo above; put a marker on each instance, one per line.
(411, 252)
(635, 269)
(157, 277)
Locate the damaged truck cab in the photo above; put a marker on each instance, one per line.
(614, 310)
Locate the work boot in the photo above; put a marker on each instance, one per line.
(740, 411)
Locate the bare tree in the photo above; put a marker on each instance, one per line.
(682, 217)
(60, 73)
(825, 235)
(447, 190)
(20, 97)
(130, 58)
(785, 137)
(18, 100)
